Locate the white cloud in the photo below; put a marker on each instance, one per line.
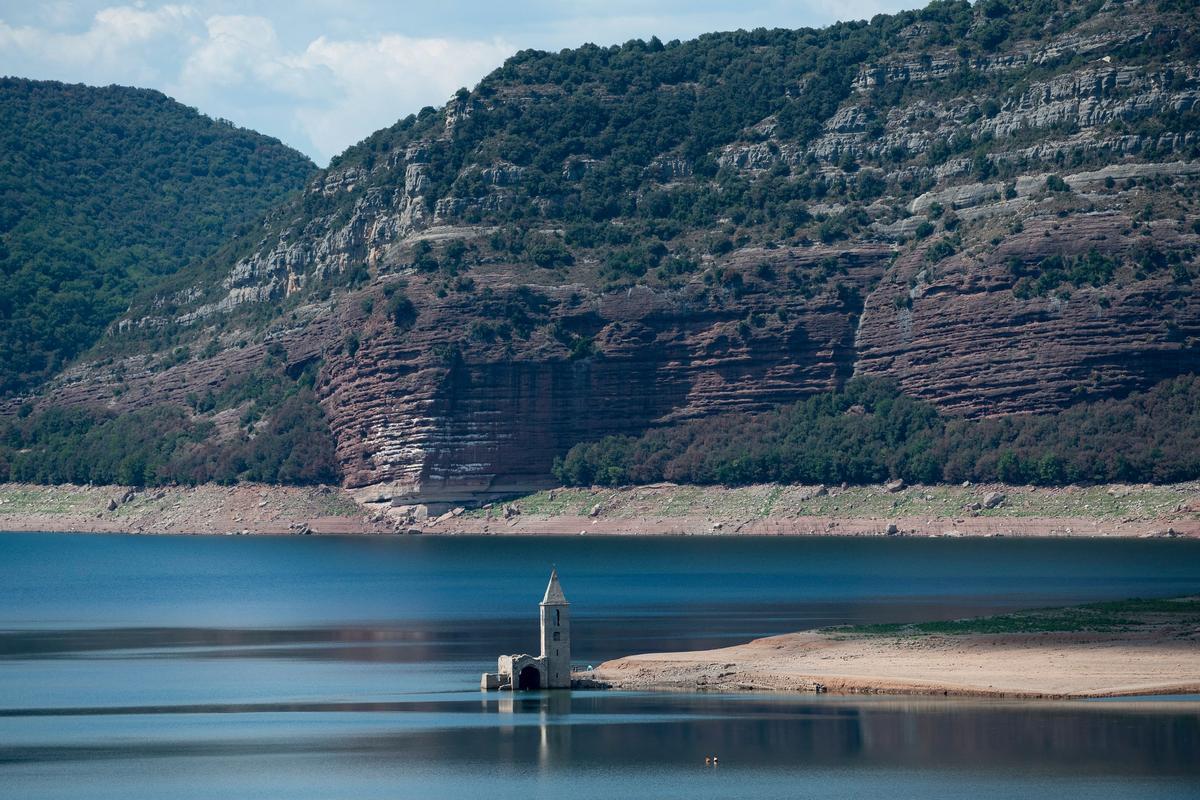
(123, 25)
(333, 92)
(380, 80)
(117, 43)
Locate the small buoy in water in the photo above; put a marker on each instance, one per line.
(707, 760)
(714, 761)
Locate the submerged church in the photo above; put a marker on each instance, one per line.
(550, 670)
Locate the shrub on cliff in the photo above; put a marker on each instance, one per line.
(401, 311)
(1056, 184)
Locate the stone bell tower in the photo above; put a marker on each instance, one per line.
(556, 635)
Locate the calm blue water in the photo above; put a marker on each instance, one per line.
(147, 667)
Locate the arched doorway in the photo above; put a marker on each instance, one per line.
(530, 678)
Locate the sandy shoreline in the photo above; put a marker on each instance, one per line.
(1112, 511)
(1153, 658)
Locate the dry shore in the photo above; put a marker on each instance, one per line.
(1102, 511)
(771, 509)
(1152, 654)
(178, 510)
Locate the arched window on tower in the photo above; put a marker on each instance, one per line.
(557, 616)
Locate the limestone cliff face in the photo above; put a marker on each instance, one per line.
(951, 190)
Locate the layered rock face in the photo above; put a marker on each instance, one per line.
(1007, 231)
(957, 335)
(475, 419)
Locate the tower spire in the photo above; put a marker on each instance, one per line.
(555, 612)
(554, 593)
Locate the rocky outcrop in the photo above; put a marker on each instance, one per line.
(1092, 97)
(959, 336)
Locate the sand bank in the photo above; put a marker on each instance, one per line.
(1132, 653)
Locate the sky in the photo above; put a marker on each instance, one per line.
(321, 75)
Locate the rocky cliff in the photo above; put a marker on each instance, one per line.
(993, 205)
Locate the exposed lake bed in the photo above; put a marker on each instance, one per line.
(189, 666)
(1109, 511)
(1138, 647)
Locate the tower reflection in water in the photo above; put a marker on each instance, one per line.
(549, 711)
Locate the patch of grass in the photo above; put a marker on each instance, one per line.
(1104, 617)
(336, 504)
(1170, 605)
(770, 500)
(1117, 502)
(1007, 623)
(44, 500)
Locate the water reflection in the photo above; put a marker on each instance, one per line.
(579, 731)
(783, 731)
(549, 711)
(189, 668)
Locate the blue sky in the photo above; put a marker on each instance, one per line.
(322, 74)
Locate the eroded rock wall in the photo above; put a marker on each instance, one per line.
(426, 409)
(956, 334)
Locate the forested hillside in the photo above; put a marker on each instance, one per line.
(869, 432)
(102, 192)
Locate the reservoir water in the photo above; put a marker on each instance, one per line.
(314, 667)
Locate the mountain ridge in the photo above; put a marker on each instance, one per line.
(991, 206)
(106, 190)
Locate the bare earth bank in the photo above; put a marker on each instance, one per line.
(771, 509)
(1126, 511)
(201, 509)
(1152, 654)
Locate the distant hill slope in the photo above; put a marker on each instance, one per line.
(103, 191)
(992, 208)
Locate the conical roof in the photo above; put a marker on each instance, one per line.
(554, 592)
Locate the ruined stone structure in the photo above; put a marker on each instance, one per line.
(551, 669)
